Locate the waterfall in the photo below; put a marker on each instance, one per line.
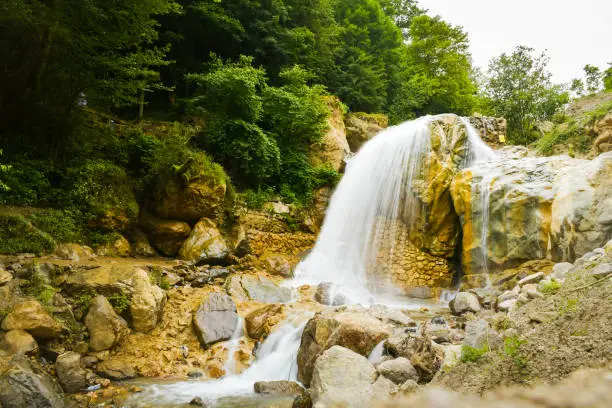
(376, 189)
(275, 360)
(232, 346)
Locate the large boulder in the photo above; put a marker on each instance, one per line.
(106, 328)
(167, 236)
(70, 373)
(119, 247)
(581, 218)
(205, 243)
(147, 303)
(18, 342)
(356, 330)
(74, 252)
(21, 385)
(333, 149)
(259, 288)
(216, 318)
(116, 369)
(362, 127)
(464, 302)
(516, 209)
(191, 192)
(342, 377)
(109, 279)
(31, 317)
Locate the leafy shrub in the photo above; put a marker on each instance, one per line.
(37, 287)
(27, 183)
(512, 349)
(18, 235)
(100, 186)
(120, 302)
(62, 225)
(549, 287)
(472, 354)
(255, 199)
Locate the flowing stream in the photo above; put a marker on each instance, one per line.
(376, 187)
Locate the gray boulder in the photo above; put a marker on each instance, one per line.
(70, 373)
(258, 288)
(464, 302)
(342, 377)
(106, 328)
(478, 334)
(23, 386)
(398, 370)
(215, 319)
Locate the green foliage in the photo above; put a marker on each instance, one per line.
(62, 225)
(550, 287)
(437, 73)
(37, 287)
(18, 235)
(574, 131)
(83, 300)
(567, 305)
(518, 87)
(120, 302)
(99, 186)
(156, 276)
(255, 199)
(53, 59)
(471, 354)
(512, 349)
(4, 168)
(593, 78)
(607, 78)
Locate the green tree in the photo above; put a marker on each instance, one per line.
(56, 54)
(593, 78)
(607, 78)
(519, 88)
(368, 57)
(577, 86)
(402, 12)
(437, 75)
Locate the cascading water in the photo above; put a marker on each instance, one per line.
(485, 201)
(376, 188)
(232, 346)
(276, 360)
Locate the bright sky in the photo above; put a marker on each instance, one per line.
(575, 32)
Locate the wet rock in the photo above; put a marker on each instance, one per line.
(276, 264)
(74, 252)
(106, 328)
(261, 320)
(147, 303)
(534, 278)
(464, 302)
(342, 378)
(197, 402)
(141, 245)
(189, 196)
(478, 334)
(5, 276)
(327, 294)
(356, 330)
(167, 236)
(561, 270)
(19, 342)
(70, 373)
(398, 370)
(115, 369)
(215, 319)
(258, 288)
(204, 244)
(21, 385)
(31, 317)
(278, 388)
(118, 248)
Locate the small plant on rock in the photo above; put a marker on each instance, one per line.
(472, 354)
(550, 287)
(120, 302)
(569, 305)
(512, 349)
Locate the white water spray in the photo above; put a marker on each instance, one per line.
(275, 360)
(232, 346)
(376, 189)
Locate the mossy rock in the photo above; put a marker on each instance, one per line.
(18, 235)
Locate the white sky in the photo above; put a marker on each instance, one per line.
(574, 32)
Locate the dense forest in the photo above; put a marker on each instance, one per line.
(100, 99)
